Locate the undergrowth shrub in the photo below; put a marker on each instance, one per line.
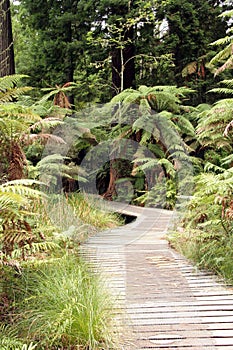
(206, 233)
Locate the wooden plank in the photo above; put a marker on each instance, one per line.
(182, 320)
(187, 308)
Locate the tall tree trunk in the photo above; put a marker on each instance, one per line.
(7, 63)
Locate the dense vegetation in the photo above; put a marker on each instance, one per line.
(130, 101)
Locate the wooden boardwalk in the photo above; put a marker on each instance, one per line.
(168, 304)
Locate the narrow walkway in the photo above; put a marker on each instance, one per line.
(168, 304)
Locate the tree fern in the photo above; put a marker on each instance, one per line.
(224, 55)
(212, 124)
(17, 124)
(158, 98)
(52, 168)
(16, 213)
(160, 124)
(213, 200)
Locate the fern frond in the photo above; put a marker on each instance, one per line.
(46, 123)
(212, 167)
(157, 150)
(9, 81)
(21, 187)
(227, 13)
(227, 160)
(147, 123)
(35, 248)
(227, 65)
(228, 83)
(148, 165)
(185, 125)
(16, 213)
(224, 55)
(224, 91)
(52, 158)
(128, 95)
(144, 160)
(211, 129)
(19, 112)
(222, 41)
(14, 93)
(168, 166)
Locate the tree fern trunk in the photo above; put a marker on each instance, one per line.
(113, 176)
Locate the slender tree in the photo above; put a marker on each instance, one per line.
(7, 65)
(121, 24)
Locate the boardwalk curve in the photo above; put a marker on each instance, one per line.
(167, 302)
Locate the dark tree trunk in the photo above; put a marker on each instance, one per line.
(7, 63)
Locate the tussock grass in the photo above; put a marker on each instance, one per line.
(62, 305)
(78, 216)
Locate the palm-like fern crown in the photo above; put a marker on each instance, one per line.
(213, 123)
(21, 124)
(224, 57)
(158, 98)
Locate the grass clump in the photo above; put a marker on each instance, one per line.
(61, 305)
(78, 216)
(89, 211)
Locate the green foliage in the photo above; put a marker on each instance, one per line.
(9, 89)
(15, 120)
(163, 126)
(158, 98)
(224, 56)
(54, 168)
(17, 215)
(162, 195)
(61, 304)
(51, 37)
(212, 124)
(207, 232)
